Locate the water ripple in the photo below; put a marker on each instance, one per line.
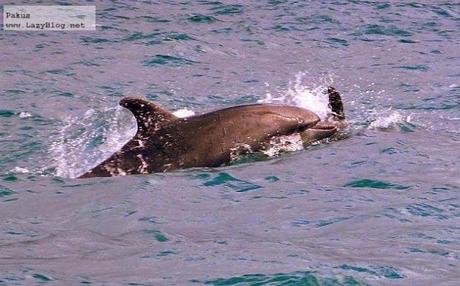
(166, 60)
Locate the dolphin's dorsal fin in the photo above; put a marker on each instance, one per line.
(149, 117)
(335, 103)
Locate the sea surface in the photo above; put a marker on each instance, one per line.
(381, 207)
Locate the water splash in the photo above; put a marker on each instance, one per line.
(287, 143)
(390, 119)
(301, 94)
(84, 142)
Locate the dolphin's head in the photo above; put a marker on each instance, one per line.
(261, 121)
(293, 118)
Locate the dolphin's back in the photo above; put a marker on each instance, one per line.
(209, 139)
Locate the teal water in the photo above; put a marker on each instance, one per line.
(380, 207)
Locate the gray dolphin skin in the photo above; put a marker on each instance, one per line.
(164, 142)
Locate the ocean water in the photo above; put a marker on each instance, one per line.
(380, 207)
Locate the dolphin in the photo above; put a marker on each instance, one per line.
(164, 142)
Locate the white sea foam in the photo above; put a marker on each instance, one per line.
(389, 119)
(287, 143)
(184, 112)
(19, 170)
(24, 114)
